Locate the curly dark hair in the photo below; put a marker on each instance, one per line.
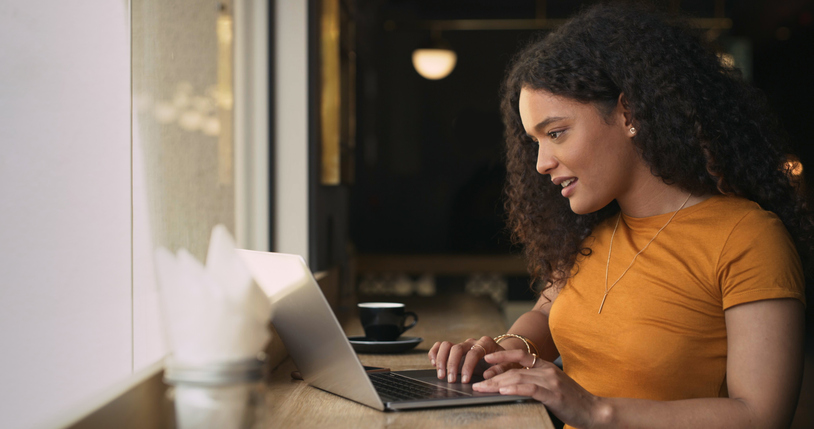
(700, 127)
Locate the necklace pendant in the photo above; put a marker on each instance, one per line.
(602, 304)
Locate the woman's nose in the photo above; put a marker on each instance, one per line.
(545, 161)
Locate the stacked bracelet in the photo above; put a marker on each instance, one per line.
(526, 341)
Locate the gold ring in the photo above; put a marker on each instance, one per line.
(482, 348)
(534, 362)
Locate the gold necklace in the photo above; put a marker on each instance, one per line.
(610, 247)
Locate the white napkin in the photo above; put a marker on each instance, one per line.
(213, 313)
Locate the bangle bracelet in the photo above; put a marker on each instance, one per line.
(525, 341)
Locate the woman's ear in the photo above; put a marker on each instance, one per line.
(623, 109)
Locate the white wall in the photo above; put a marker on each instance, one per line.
(252, 191)
(83, 202)
(65, 212)
(291, 127)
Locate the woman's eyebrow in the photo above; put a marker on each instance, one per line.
(545, 122)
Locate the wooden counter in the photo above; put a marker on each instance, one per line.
(294, 404)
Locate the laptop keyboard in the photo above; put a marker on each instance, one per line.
(393, 387)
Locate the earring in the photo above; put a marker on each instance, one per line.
(632, 130)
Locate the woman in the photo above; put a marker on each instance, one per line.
(664, 226)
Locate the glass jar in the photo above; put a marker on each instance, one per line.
(226, 395)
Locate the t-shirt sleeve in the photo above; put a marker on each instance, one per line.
(759, 261)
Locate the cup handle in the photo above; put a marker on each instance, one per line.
(415, 320)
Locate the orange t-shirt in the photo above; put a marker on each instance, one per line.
(662, 334)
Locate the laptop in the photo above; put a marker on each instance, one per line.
(324, 356)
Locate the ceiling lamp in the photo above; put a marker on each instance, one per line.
(435, 60)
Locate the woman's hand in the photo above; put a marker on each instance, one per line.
(545, 383)
(448, 358)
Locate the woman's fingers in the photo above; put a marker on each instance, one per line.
(495, 383)
(441, 358)
(512, 356)
(451, 359)
(455, 354)
(433, 352)
(511, 368)
(475, 354)
(499, 369)
(517, 382)
(467, 358)
(537, 392)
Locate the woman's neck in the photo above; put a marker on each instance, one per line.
(654, 197)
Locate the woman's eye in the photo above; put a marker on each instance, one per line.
(555, 134)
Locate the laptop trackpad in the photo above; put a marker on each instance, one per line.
(431, 376)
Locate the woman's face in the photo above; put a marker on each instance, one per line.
(591, 156)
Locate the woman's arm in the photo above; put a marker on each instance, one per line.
(764, 372)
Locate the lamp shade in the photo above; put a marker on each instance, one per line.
(434, 63)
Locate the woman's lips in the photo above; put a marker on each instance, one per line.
(568, 190)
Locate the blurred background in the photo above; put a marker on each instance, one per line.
(428, 152)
